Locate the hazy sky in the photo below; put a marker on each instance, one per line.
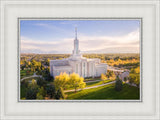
(56, 36)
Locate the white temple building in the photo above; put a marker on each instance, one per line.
(76, 63)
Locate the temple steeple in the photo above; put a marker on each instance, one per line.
(76, 32)
(76, 44)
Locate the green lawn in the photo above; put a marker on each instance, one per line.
(23, 73)
(106, 92)
(90, 84)
(88, 79)
(97, 83)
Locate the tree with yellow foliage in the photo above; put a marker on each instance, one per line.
(76, 81)
(137, 70)
(113, 76)
(134, 76)
(61, 81)
(103, 77)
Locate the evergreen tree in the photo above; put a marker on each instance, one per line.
(125, 79)
(118, 84)
(41, 82)
(32, 90)
(31, 93)
(50, 91)
(60, 94)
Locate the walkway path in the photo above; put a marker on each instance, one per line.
(34, 75)
(90, 87)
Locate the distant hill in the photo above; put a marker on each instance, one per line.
(115, 50)
(106, 50)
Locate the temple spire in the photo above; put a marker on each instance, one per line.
(76, 44)
(76, 32)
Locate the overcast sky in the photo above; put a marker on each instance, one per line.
(56, 36)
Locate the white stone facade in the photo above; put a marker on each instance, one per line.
(78, 64)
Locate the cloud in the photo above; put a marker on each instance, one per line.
(73, 23)
(53, 27)
(102, 42)
(87, 43)
(42, 25)
(28, 44)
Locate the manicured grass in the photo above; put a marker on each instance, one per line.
(106, 92)
(23, 73)
(97, 83)
(91, 84)
(88, 79)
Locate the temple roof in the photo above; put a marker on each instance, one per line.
(62, 67)
(61, 63)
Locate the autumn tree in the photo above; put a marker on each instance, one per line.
(110, 74)
(131, 79)
(76, 81)
(33, 84)
(41, 93)
(113, 76)
(61, 81)
(134, 76)
(103, 77)
(107, 74)
(47, 62)
(137, 80)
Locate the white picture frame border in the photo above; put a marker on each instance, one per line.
(4, 115)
